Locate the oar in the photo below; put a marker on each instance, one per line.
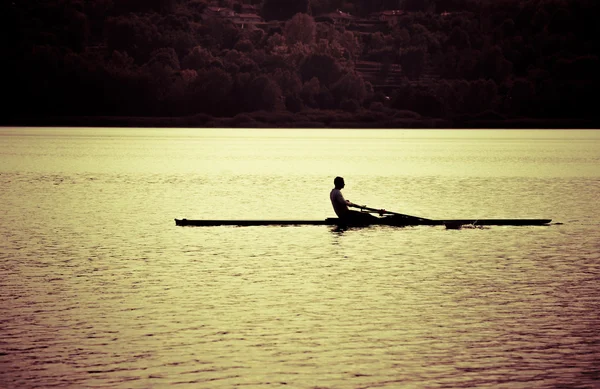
(384, 212)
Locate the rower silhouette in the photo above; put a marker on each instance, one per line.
(340, 206)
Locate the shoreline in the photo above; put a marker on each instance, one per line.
(290, 121)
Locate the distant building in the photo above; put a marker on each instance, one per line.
(391, 17)
(337, 18)
(367, 26)
(221, 12)
(245, 19)
(241, 19)
(249, 9)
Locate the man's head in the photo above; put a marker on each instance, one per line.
(338, 182)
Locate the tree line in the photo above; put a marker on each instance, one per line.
(496, 59)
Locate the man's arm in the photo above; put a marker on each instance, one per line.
(351, 204)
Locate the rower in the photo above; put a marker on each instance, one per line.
(340, 206)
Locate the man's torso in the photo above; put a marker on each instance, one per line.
(338, 202)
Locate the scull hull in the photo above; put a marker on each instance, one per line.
(384, 221)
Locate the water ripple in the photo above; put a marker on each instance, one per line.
(101, 290)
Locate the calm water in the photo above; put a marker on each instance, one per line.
(100, 289)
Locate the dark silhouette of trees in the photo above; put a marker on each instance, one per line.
(520, 94)
(310, 92)
(349, 105)
(494, 65)
(421, 101)
(441, 58)
(288, 82)
(412, 61)
(244, 46)
(224, 34)
(459, 39)
(165, 58)
(480, 96)
(198, 58)
(349, 86)
(321, 66)
(209, 91)
(293, 103)
(264, 94)
(301, 28)
(133, 34)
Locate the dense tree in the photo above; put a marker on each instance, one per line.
(376, 42)
(300, 29)
(350, 43)
(174, 33)
(254, 35)
(224, 33)
(166, 57)
(323, 67)
(349, 105)
(293, 103)
(310, 91)
(412, 61)
(209, 91)
(77, 29)
(276, 43)
(494, 65)
(519, 97)
(424, 102)
(325, 99)
(135, 35)
(161, 67)
(459, 39)
(350, 86)
(288, 82)
(481, 96)
(244, 46)
(264, 93)
(198, 58)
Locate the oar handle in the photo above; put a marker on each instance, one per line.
(382, 211)
(373, 210)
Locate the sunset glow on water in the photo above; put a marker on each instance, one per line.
(101, 289)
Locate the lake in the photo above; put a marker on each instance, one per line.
(100, 289)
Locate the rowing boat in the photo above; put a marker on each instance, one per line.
(385, 218)
(395, 220)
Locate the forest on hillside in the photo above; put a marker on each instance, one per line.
(450, 60)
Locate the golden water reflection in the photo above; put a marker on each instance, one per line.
(100, 289)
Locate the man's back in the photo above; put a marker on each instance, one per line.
(339, 203)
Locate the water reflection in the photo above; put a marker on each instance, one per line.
(100, 289)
